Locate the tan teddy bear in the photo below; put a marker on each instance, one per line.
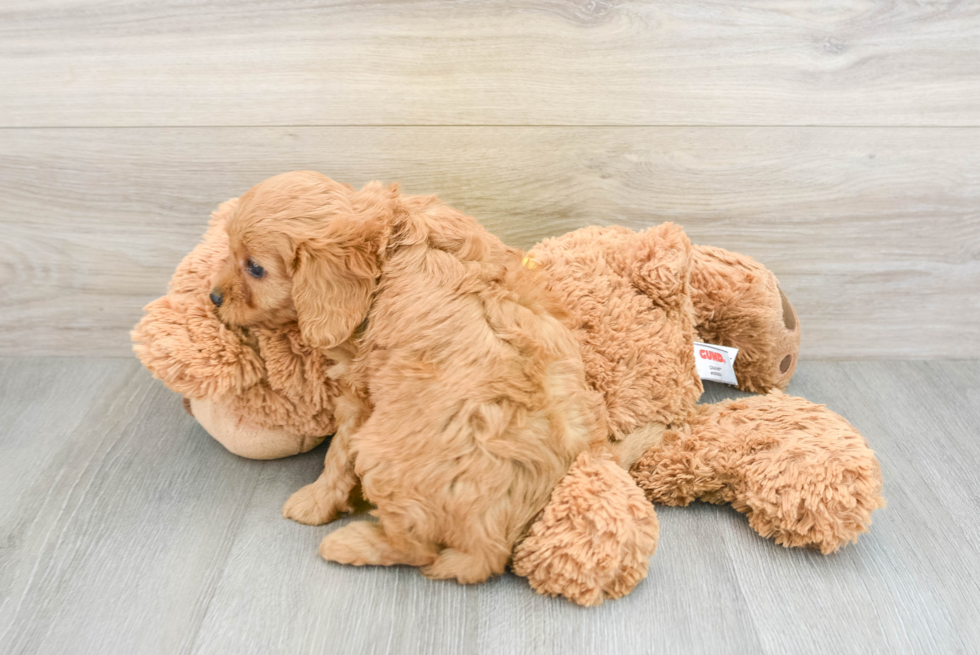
(637, 303)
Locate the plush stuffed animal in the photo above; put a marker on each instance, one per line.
(636, 302)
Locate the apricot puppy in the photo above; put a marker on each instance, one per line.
(463, 400)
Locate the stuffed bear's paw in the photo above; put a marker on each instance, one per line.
(311, 505)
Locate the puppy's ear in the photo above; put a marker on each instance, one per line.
(332, 289)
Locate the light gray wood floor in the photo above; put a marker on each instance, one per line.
(125, 529)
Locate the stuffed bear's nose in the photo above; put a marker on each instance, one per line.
(217, 298)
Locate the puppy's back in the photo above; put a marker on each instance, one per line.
(480, 398)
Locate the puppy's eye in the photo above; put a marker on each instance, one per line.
(254, 269)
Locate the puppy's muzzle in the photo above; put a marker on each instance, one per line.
(216, 297)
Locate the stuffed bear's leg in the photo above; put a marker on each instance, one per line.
(801, 473)
(738, 303)
(594, 538)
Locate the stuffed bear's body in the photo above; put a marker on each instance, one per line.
(265, 394)
(627, 294)
(636, 302)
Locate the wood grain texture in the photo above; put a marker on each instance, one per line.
(114, 533)
(125, 529)
(921, 419)
(529, 62)
(874, 233)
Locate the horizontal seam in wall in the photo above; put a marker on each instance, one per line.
(494, 125)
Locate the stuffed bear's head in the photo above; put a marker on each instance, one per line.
(267, 379)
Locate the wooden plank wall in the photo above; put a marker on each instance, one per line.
(836, 142)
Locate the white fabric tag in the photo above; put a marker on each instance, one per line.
(715, 363)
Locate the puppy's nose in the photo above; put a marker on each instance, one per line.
(217, 298)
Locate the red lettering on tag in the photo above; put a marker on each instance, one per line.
(713, 356)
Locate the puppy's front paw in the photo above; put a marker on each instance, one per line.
(310, 506)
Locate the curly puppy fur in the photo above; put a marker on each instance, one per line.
(464, 399)
(802, 474)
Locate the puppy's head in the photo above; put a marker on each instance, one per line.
(304, 248)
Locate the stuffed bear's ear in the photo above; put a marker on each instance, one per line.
(332, 288)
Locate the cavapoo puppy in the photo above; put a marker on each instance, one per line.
(464, 397)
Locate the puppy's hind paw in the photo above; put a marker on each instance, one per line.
(365, 543)
(358, 543)
(465, 568)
